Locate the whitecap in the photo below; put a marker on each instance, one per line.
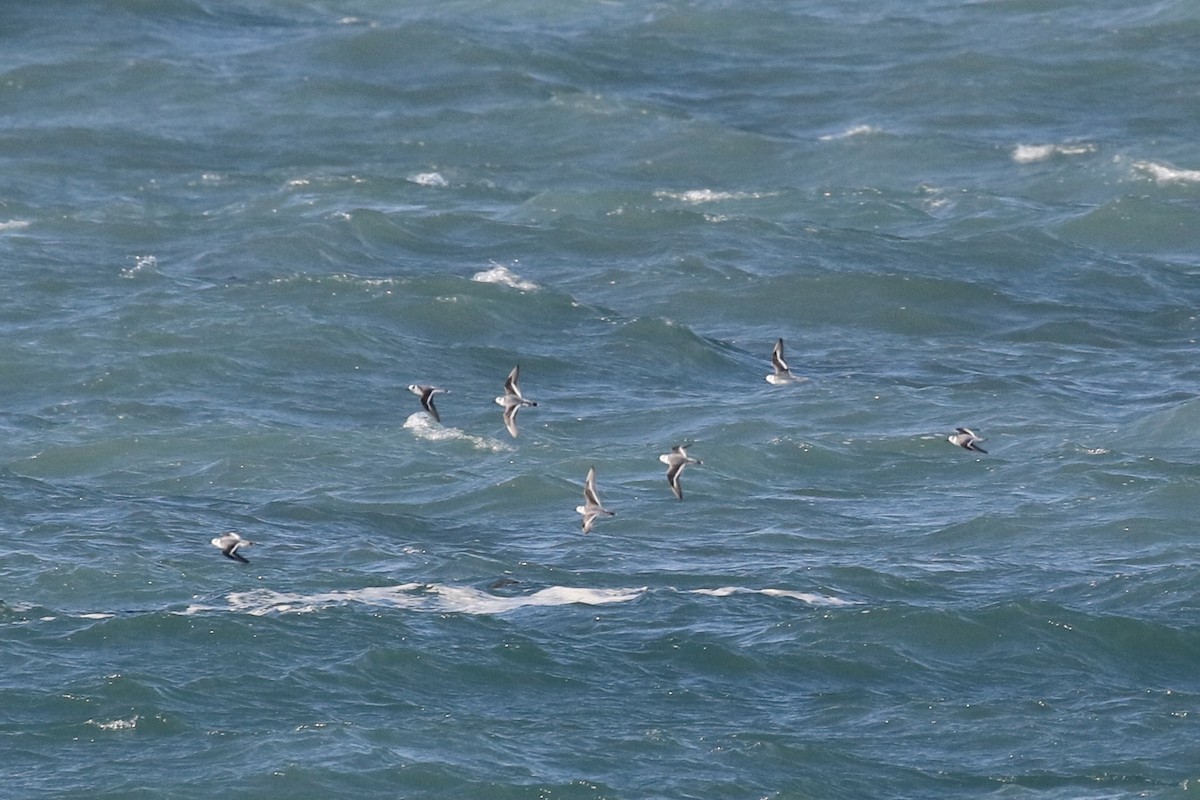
(857, 130)
(117, 724)
(505, 277)
(425, 427)
(1164, 174)
(429, 179)
(141, 265)
(14, 225)
(431, 598)
(266, 601)
(1031, 153)
(811, 598)
(468, 600)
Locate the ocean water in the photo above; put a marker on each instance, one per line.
(233, 233)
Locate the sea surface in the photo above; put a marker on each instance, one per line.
(233, 233)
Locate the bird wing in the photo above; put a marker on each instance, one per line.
(777, 357)
(510, 419)
(673, 478)
(427, 403)
(589, 489)
(510, 385)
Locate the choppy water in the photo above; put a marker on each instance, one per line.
(231, 235)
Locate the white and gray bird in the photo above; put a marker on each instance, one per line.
(426, 394)
(229, 543)
(782, 374)
(967, 439)
(591, 507)
(676, 460)
(512, 400)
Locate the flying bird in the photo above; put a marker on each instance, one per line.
(782, 374)
(426, 394)
(228, 543)
(591, 507)
(967, 439)
(676, 460)
(513, 401)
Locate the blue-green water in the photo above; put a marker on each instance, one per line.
(232, 234)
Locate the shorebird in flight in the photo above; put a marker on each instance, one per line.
(782, 374)
(426, 394)
(967, 439)
(591, 507)
(228, 543)
(512, 400)
(676, 460)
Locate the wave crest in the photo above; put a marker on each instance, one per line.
(432, 598)
(424, 427)
(1162, 174)
(856, 130)
(1030, 153)
(811, 598)
(505, 277)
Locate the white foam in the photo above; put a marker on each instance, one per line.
(505, 277)
(430, 598)
(429, 179)
(1164, 174)
(1030, 153)
(805, 597)
(472, 601)
(425, 427)
(14, 225)
(857, 130)
(141, 265)
(369, 283)
(698, 196)
(117, 724)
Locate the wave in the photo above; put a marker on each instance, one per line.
(698, 196)
(116, 724)
(434, 179)
(441, 599)
(1163, 174)
(141, 265)
(857, 130)
(26, 613)
(431, 598)
(805, 597)
(505, 277)
(428, 597)
(1030, 153)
